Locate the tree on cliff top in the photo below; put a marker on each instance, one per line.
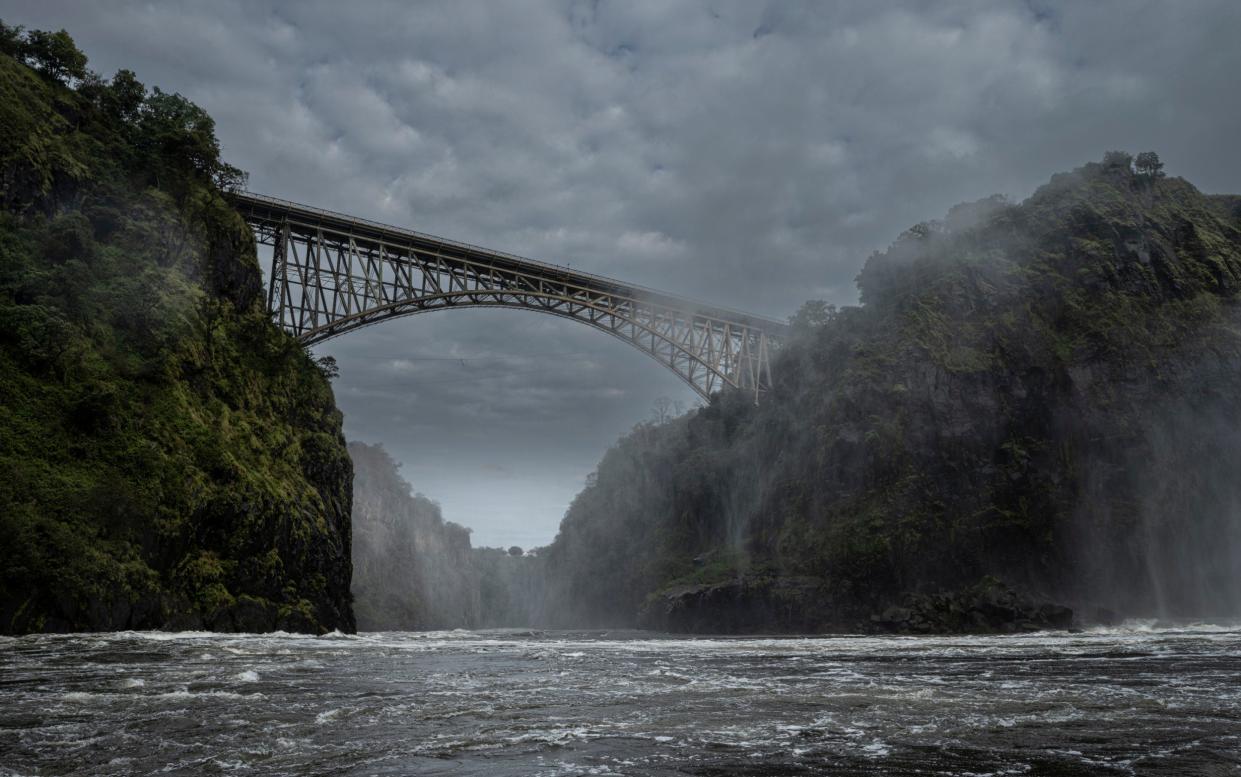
(54, 54)
(1148, 164)
(168, 133)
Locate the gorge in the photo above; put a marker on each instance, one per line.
(972, 509)
(1029, 415)
(1026, 420)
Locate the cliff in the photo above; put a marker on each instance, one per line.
(412, 569)
(1031, 408)
(168, 458)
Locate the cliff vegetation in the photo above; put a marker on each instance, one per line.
(1033, 406)
(168, 457)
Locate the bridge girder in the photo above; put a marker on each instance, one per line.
(331, 274)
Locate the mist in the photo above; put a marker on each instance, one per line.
(971, 432)
(415, 571)
(1174, 551)
(982, 516)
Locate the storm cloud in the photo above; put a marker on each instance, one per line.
(748, 154)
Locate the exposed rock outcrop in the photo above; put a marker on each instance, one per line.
(989, 607)
(748, 604)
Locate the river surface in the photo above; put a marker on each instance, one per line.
(1129, 700)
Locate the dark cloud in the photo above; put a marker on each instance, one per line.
(744, 153)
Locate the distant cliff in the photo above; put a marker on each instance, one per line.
(412, 570)
(168, 457)
(415, 571)
(1034, 406)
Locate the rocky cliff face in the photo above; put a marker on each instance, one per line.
(412, 569)
(168, 458)
(1036, 395)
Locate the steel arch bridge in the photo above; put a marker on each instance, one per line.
(332, 273)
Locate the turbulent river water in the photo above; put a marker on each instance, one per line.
(1130, 700)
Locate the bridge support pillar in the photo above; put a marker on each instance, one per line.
(277, 281)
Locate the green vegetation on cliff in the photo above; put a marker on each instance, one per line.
(168, 457)
(1040, 393)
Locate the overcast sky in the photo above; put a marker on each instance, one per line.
(749, 154)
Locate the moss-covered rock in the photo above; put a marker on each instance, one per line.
(168, 457)
(1042, 393)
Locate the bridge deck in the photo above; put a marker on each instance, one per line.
(260, 206)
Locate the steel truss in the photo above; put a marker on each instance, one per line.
(333, 273)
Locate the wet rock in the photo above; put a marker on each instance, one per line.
(990, 607)
(746, 604)
(1056, 615)
(254, 616)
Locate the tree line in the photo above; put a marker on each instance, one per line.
(166, 133)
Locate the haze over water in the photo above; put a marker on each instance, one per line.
(1137, 699)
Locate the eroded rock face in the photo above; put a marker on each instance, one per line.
(806, 605)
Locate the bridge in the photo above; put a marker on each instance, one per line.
(332, 273)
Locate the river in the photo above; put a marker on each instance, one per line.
(1130, 700)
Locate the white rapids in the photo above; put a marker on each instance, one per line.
(1138, 699)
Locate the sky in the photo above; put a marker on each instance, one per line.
(749, 154)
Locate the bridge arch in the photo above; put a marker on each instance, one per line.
(332, 274)
(674, 355)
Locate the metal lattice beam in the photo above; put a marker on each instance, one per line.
(333, 273)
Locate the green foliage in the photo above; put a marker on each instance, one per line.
(167, 456)
(124, 97)
(811, 315)
(1118, 160)
(11, 39)
(1147, 163)
(155, 138)
(179, 138)
(1008, 387)
(327, 365)
(54, 54)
